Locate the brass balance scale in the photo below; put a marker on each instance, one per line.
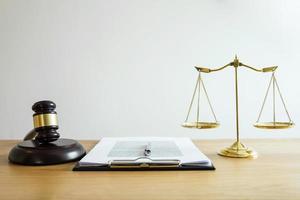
(237, 149)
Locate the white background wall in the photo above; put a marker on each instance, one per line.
(125, 68)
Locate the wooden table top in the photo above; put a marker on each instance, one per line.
(275, 174)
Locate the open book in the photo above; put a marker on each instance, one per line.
(144, 153)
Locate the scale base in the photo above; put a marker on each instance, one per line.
(238, 150)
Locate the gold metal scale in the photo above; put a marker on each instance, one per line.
(237, 149)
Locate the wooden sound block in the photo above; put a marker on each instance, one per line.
(31, 152)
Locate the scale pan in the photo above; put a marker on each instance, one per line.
(274, 125)
(200, 125)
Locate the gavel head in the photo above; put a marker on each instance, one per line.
(45, 121)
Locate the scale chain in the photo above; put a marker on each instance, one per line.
(274, 103)
(190, 107)
(209, 103)
(263, 105)
(287, 113)
(198, 107)
(275, 84)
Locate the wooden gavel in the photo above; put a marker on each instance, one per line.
(42, 146)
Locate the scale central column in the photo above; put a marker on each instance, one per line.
(236, 104)
(237, 149)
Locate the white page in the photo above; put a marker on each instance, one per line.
(136, 149)
(182, 149)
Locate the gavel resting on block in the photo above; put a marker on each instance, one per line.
(42, 146)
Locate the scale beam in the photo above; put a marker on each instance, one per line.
(208, 70)
(265, 69)
(236, 63)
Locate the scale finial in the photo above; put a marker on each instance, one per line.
(235, 63)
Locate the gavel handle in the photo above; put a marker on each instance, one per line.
(31, 135)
